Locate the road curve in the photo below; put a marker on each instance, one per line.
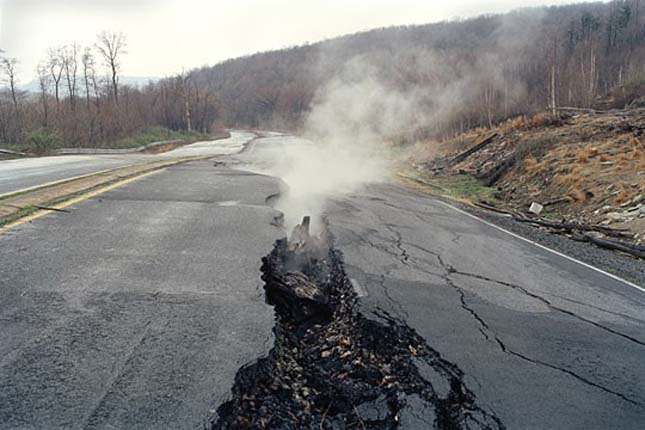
(19, 174)
(136, 309)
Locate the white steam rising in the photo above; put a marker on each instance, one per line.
(356, 112)
(346, 128)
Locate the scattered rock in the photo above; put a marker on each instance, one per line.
(617, 216)
(417, 415)
(374, 410)
(536, 208)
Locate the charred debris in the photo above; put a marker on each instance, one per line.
(332, 367)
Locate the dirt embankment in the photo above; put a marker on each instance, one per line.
(581, 168)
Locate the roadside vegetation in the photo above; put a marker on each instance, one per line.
(43, 141)
(468, 73)
(458, 187)
(581, 167)
(78, 106)
(158, 134)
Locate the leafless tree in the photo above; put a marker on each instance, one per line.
(70, 64)
(56, 66)
(9, 77)
(43, 83)
(89, 73)
(184, 81)
(111, 45)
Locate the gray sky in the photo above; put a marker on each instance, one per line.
(165, 36)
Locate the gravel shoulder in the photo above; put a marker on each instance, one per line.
(622, 265)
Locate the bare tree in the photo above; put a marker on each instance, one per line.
(184, 80)
(55, 63)
(111, 45)
(88, 73)
(43, 83)
(8, 69)
(70, 64)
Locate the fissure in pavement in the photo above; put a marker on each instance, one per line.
(332, 367)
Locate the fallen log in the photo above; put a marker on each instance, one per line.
(481, 145)
(10, 152)
(556, 201)
(493, 175)
(490, 207)
(614, 245)
(579, 109)
(571, 227)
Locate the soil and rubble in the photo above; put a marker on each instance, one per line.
(578, 173)
(332, 367)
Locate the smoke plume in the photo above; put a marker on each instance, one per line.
(349, 121)
(385, 94)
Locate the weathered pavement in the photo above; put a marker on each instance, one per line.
(544, 341)
(24, 173)
(136, 309)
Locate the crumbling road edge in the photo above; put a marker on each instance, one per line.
(333, 367)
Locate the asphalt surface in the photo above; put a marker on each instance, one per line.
(545, 342)
(136, 309)
(24, 173)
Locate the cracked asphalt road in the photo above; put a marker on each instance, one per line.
(22, 173)
(136, 309)
(544, 341)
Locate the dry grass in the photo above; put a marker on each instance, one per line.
(590, 160)
(622, 195)
(582, 156)
(523, 122)
(531, 164)
(624, 158)
(578, 195)
(638, 149)
(516, 123)
(585, 153)
(573, 178)
(542, 119)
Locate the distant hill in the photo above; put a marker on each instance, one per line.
(132, 81)
(469, 72)
(402, 83)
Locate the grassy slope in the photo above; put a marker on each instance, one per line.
(592, 165)
(43, 141)
(155, 134)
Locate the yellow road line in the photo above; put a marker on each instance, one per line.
(61, 181)
(77, 199)
(97, 173)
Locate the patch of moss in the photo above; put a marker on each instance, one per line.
(458, 187)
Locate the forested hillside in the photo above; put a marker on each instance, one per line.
(462, 73)
(482, 69)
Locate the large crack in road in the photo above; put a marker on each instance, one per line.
(332, 367)
(489, 334)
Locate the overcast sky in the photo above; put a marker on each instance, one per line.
(165, 36)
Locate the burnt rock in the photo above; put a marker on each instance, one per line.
(374, 410)
(417, 414)
(332, 367)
